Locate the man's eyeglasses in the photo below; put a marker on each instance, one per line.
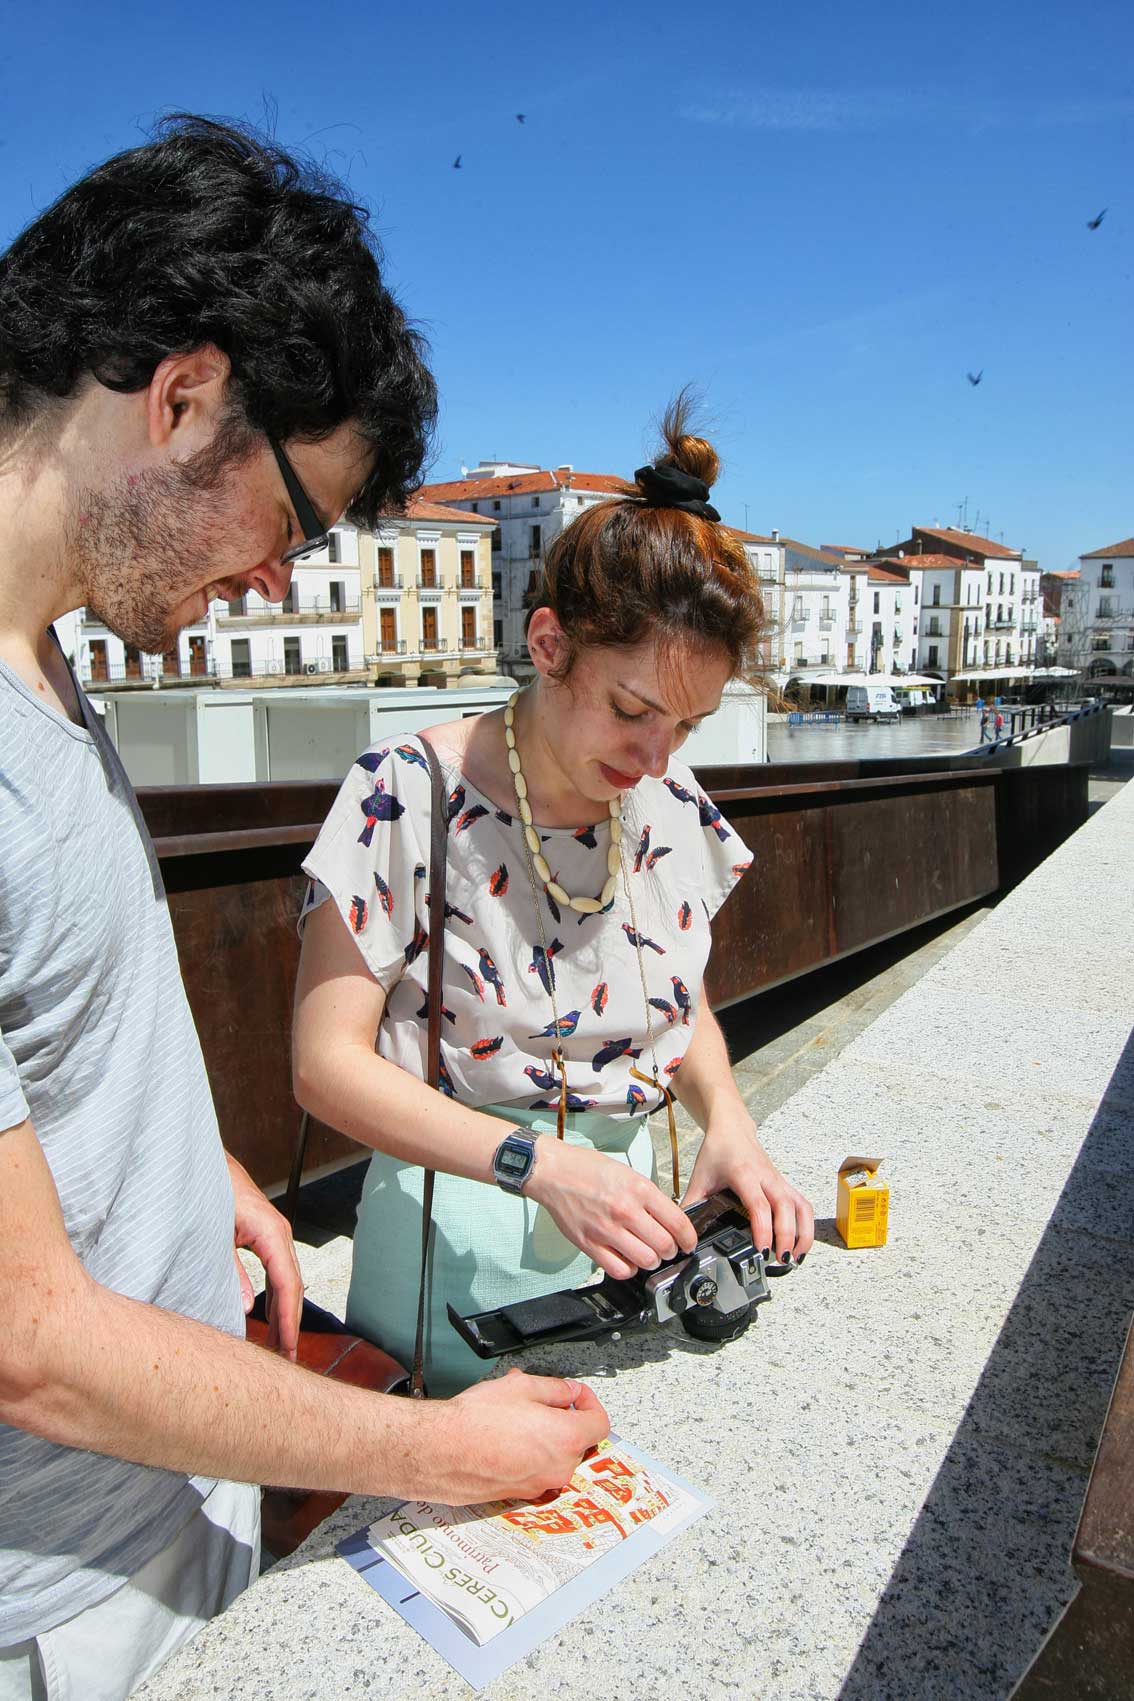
(315, 534)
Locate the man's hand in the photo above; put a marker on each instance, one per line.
(261, 1228)
(732, 1156)
(510, 1439)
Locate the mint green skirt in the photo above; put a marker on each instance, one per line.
(489, 1248)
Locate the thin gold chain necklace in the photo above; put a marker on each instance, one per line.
(536, 864)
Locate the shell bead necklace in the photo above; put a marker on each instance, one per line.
(583, 906)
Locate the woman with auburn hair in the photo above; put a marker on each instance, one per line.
(584, 868)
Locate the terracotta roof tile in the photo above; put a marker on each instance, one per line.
(967, 540)
(417, 508)
(1126, 547)
(523, 484)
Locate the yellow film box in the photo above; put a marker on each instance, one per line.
(862, 1210)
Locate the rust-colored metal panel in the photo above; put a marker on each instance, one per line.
(845, 855)
(839, 865)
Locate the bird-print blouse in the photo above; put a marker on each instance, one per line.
(680, 859)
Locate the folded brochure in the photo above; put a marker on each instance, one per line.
(507, 1574)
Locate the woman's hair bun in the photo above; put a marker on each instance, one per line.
(683, 448)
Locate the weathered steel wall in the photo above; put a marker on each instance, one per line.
(846, 854)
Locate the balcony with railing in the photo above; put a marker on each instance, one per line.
(388, 584)
(429, 584)
(294, 611)
(434, 646)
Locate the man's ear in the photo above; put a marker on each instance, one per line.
(185, 400)
(547, 643)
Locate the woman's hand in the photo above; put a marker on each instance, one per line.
(610, 1212)
(732, 1156)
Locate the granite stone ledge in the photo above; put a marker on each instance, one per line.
(898, 1447)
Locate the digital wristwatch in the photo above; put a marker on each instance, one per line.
(514, 1160)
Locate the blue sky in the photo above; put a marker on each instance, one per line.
(824, 216)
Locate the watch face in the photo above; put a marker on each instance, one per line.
(513, 1163)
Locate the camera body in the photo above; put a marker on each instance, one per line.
(713, 1292)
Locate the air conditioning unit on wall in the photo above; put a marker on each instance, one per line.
(311, 667)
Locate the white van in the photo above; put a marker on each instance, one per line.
(871, 703)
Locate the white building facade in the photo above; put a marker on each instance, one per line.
(531, 506)
(1096, 625)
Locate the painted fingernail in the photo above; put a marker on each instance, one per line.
(786, 1259)
(801, 1257)
(767, 1255)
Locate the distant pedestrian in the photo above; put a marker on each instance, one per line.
(983, 724)
(998, 724)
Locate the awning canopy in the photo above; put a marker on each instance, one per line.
(990, 673)
(893, 679)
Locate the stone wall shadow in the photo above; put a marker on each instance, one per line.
(985, 1571)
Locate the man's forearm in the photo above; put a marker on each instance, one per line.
(116, 1376)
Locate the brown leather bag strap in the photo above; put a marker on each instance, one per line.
(438, 855)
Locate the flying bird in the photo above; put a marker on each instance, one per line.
(520, 116)
(385, 896)
(974, 378)
(1093, 224)
(643, 847)
(457, 163)
(641, 939)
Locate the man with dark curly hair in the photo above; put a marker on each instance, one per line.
(200, 371)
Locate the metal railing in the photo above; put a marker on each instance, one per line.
(349, 608)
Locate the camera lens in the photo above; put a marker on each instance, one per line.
(718, 1326)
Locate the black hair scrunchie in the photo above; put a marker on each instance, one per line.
(669, 487)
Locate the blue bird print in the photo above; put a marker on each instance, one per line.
(541, 1079)
(379, 806)
(417, 944)
(452, 913)
(599, 998)
(711, 817)
(666, 1008)
(612, 1051)
(643, 847)
(556, 912)
(541, 963)
(566, 1025)
(574, 1102)
(492, 975)
(409, 754)
(641, 939)
(655, 857)
(385, 896)
(679, 791)
(684, 1002)
(586, 836)
(684, 916)
(475, 981)
(635, 1097)
(372, 760)
(423, 1013)
(445, 1080)
(455, 803)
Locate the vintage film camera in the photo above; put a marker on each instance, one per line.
(714, 1291)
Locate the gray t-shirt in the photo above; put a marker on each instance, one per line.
(98, 1048)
